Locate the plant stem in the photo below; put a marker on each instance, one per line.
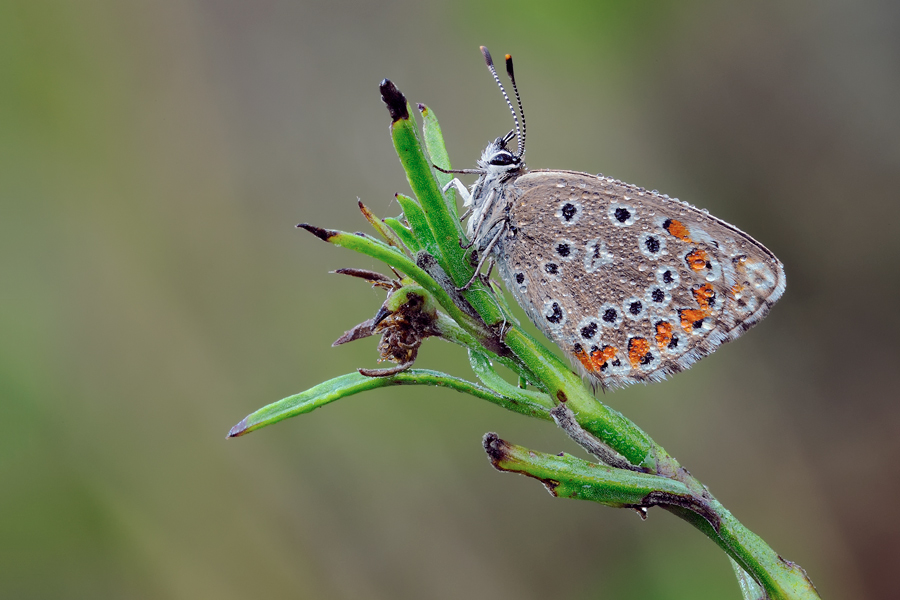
(780, 578)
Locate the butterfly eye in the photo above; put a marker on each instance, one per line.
(503, 159)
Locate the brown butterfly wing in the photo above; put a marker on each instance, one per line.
(631, 284)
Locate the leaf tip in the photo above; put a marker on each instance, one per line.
(238, 430)
(497, 449)
(322, 234)
(394, 99)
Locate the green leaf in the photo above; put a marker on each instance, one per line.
(750, 590)
(434, 143)
(403, 232)
(504, 305)
(569, 477)
(419, 173)
(618, 432)
(418, 223)
(354, 383)
(445, 226)
(483, 369)
(379, 225)
(369, 246)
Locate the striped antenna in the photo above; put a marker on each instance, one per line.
(512, 78)
(490, 64)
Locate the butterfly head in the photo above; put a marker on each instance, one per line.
(497, 159)
(498, 163)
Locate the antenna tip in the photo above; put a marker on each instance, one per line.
(487, 56)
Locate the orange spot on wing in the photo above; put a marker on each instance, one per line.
(583, 357)
(678, 229)
(663, 334)
(638, 349)
(736, 290)
(705, 295)
(689, 316)
(696, 259)
(600, 356)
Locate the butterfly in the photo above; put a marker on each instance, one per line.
(631, 284)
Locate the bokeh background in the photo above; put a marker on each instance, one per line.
(154, 158)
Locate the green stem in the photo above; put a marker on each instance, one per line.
(609, 425)
(566, 476)
(452, 332)
(779, 578)
(446, 227)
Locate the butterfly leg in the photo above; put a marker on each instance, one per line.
(487, 275)
(484, 256)
(490, 227)
(464, 193)
(484, 209)
(486, 279)
(503, 326)
(482, 215)
(461, 218)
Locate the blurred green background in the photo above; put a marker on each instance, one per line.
(154, 158)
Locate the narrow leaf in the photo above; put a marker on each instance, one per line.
(481, 365)
(369, 246)
(354, 383)
(386, 232)
(444, 224)
(750, 590)
(418, 223)
(404, 234)
(569, 477)
(437, 151)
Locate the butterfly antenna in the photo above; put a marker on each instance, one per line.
(490, 65)
(512, 78)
